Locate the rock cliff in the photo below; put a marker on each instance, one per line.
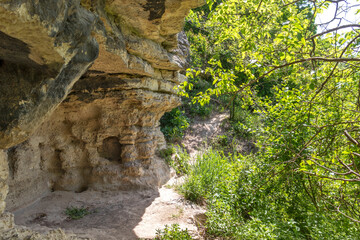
(83, 86)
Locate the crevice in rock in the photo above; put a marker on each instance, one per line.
(12, 162)
(156, 8)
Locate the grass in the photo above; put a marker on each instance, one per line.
(205, 175)
(179, 214)
(244, 201)
(172, 232)
(177, 158)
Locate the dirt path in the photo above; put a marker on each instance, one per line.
(202, 131)
(124, 215)
(113, 215)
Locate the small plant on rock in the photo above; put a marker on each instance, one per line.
(177, 158)
(173, 232)
(167, 153)
(76, 212)
(173, 124)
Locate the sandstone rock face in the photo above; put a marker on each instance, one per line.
(42, 55)
(83, 86)
(103, 136)
(4, 172)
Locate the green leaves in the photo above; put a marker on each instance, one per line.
(268, 56)
(77, 212)
(173, 124)
(255, 35)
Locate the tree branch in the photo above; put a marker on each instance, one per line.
(332, 178)
(335, 29)
(351, 138)
(333, 70)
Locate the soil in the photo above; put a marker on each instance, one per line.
(124, 215)
(200, 133)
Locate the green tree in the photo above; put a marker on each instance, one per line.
(305, 84)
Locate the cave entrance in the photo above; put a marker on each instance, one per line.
(111, 149)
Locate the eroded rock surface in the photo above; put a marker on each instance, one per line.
(83, 86)
(42, 55)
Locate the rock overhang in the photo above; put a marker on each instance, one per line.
(83, 86)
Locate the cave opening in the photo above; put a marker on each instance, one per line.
(111, 149)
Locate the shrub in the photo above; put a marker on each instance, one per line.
(244, 124)
(173, 232)
(173, 124)
(241, 130)
(204, 111)
(222, 140)
(167, 153)
(206, 176)
(245, 199)
(177, 158)
(76, 213)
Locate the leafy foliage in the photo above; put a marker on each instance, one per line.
(173, 124)
(296, 91)
(208, 169)
(267, 58)
(245, 200)
(177, 158)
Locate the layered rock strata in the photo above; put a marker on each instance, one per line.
(103, 136)
(83, 86)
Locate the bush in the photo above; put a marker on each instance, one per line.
(173, 124)
(203, 111)
(245, 124)
(222, 140)
(167, 153)
(177, 158)
(246, 200)
(76, 213)
(173, 232)
(206, 176)
(241, 130)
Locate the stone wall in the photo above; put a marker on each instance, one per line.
(83, 86)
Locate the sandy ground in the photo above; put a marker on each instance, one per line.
(124, 215)
(201, 131)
